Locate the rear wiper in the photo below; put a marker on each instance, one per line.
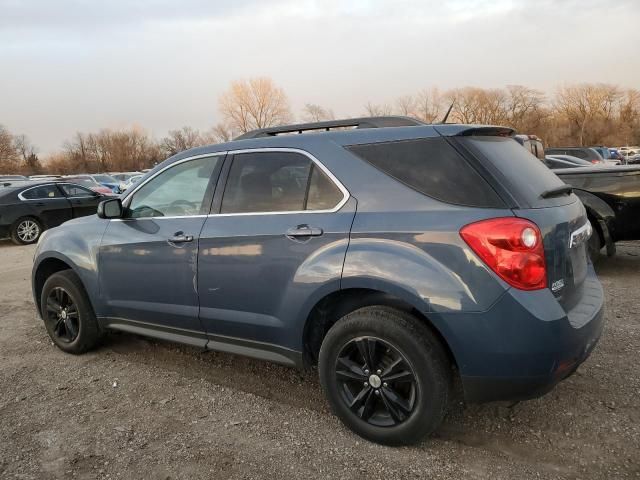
(556, 192)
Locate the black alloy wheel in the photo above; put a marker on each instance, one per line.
(376, 381)
(62, 314)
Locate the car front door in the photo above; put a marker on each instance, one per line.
(278, 235)
(83, 201)
(148, 258)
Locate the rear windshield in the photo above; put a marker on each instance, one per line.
(526, 176)
(432, 167)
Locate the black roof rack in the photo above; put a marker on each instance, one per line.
(364, 122)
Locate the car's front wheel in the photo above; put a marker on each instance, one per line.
(67, 313)
(385, 375)
(26, 231)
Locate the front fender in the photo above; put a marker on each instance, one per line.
(75, 243)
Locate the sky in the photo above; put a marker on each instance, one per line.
(74, 65)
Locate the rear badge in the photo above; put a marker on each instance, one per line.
(557, 285)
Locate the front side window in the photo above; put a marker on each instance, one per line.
(262, 182)
(76, 190)
(42, 192)
(178, 191)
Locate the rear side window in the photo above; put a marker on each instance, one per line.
(39, 193)
(278, 182)
(432, 167)
(527, 177)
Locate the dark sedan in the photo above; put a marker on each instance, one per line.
(29, 208)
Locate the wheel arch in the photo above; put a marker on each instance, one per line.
(335, 305)
(602, 218)
(44, 269)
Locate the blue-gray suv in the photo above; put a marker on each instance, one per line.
(401, 259)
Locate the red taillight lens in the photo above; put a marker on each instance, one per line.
(595, 161)
(511, 247)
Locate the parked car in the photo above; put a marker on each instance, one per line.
(12, 178)
(107, 180)
(44, 177)
(29, 208)
(532, 143)
(130, 182)
(584, 153)
(606, 155)
(616, 155)
(633, 159)
(611, 195)
(565, 161)
(124, 179)
(89, 182)
(463, 261)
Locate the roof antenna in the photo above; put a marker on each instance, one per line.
(446, 115)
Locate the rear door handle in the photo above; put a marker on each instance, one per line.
(304, 231)
(180, 237)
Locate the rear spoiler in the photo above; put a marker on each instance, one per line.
(453, 130)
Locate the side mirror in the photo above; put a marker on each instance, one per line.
(111, 208)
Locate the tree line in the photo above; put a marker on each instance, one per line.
(583, 114)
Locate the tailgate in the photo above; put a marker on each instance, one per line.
(565, 231)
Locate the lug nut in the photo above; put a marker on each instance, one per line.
(377, 392)
(366, 372)
(366, 384)
(379, 372)
(385, 384)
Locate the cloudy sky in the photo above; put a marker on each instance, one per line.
(69, 65)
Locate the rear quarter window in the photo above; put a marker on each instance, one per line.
(432, 167)
(525, 177)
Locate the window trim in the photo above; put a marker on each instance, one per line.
(345, 193)
(41, 198)
(229, 153)
(126, 200)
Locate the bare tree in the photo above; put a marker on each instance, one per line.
(183, 139)
(28, 154)
(406, 105)
(374, 110)
(220, 133)
(254, 103)
(8, 155)
(316, 113)
(582, 104)
(428, 107)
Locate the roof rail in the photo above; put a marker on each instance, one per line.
(364, 122)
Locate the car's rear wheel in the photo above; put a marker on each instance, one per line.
(385, 375)
(26, 230)
(67, 313)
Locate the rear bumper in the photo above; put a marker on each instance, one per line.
(525, 344)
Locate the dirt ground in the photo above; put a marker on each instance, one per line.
(137, 408)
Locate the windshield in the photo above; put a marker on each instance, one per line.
(83, 181)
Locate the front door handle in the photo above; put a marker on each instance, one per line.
(180, 237)
(304, 231)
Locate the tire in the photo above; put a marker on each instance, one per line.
(26, 230)
(418, 404)
(76, 330)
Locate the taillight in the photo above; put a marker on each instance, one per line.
(512, 248)
(595, 161)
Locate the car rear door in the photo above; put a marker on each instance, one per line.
(276, 238)
(46, 203)
(148, 259)
(83, 201)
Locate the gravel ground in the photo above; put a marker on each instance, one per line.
(137, 408)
